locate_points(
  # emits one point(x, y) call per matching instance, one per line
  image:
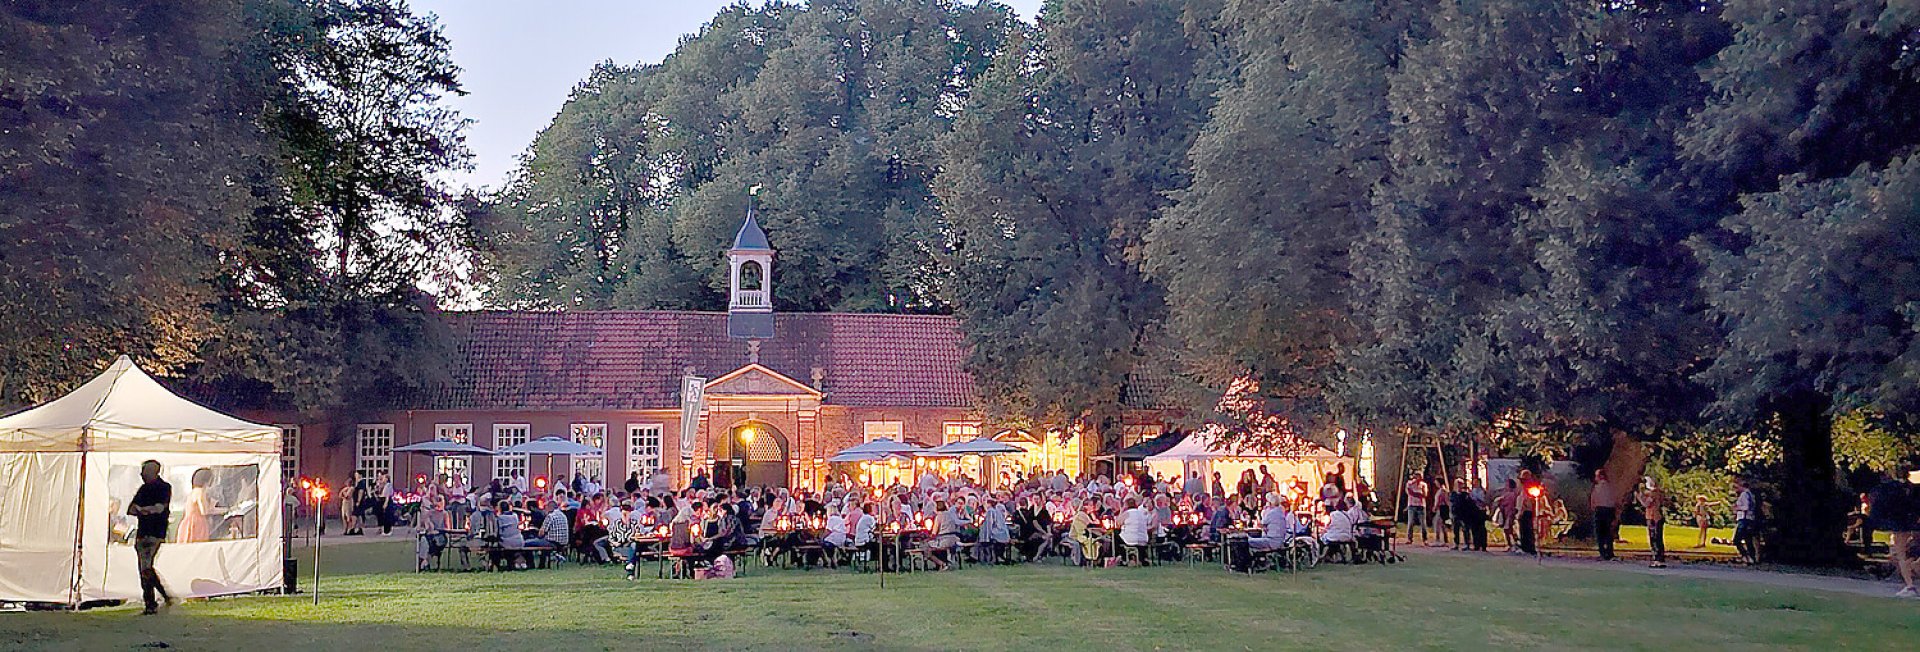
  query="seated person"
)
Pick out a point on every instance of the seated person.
point(946, 535)
point(1223, 517)
point(1136, 527)
point(1277, 525)
point(1343, 528)
point(554, 530)
point(837, 532)
point(431, 525)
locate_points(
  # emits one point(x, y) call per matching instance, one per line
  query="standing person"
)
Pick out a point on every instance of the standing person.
point(1653, 504)
point(1217, 489)
point(1417, 507)
point(1506, 510)
point(1702, 517)
point(152, 507)
point(1194, 486)
point(1529, 506)
point(1460, 506)
point(1267, 482)
point(1606, 512)
point(384, 502)
point(1894, 508)
point(1746, 517)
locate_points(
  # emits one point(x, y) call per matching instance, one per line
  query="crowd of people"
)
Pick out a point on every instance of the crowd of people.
point(941, 520)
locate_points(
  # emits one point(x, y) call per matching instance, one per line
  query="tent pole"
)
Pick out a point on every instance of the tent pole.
point(80, 524)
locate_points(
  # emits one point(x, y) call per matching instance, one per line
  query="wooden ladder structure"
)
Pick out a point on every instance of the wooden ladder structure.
point(1408, 447)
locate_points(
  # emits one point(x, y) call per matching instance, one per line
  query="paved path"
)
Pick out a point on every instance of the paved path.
point(1693, 571)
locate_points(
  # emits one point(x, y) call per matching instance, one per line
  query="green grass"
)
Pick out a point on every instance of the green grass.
point(1433, 602)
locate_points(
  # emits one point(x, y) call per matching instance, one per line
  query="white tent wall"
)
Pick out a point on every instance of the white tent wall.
point(72, 464)
point(39, 515)
point(188, 569)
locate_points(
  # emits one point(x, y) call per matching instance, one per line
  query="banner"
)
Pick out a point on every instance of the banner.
point(693, 393)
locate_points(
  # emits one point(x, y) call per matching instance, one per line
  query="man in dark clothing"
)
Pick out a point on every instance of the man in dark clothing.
point(1606, 507)
point(151, 506)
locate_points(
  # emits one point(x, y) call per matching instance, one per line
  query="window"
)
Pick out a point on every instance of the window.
point(958, 431)
point(375, 449)
point(504, 435)
point(1130, 435)
point(453, 470)
point(592, 467)
point(750, 275)
point(893, 430)
point(210, 503)
point(643, 448)
point(289, 455)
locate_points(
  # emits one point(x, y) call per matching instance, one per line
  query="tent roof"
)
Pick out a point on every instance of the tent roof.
point(124, 409)
point(1202, 446)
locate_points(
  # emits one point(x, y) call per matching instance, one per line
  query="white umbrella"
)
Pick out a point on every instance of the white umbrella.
point(877, 449)
point(982, 446)
point(440, 447)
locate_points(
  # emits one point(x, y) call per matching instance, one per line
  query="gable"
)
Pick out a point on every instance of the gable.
point(756, 380)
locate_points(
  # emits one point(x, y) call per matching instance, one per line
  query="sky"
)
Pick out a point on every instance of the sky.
point(520, 59)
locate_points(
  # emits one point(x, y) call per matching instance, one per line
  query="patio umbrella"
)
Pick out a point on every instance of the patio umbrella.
point(876, 450)
point(439, 447)
point(982, 446)
point(550, 446)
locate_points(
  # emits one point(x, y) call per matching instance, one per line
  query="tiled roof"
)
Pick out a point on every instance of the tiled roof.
point(634, 359)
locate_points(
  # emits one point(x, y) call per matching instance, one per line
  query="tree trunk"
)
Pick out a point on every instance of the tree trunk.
point(1807, 519)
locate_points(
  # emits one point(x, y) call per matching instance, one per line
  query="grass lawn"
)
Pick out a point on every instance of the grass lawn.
point(1434, 602)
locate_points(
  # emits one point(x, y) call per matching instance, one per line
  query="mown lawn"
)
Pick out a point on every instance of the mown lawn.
point(1433, 602)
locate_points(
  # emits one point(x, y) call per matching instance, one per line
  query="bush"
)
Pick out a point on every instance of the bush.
point(1683, 486)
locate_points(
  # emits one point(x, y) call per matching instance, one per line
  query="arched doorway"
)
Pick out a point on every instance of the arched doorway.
point(756, 454)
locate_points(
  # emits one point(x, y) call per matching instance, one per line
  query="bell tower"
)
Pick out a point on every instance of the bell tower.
point(750, 285)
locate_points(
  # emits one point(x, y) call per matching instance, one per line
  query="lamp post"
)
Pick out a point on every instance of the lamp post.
point(320, 500)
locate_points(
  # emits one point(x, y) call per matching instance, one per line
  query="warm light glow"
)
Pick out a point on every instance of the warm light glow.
point(746, 436)
point(540, 482)
point(1534, 491)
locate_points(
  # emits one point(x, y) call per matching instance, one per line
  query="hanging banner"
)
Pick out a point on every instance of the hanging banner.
point(693, 394)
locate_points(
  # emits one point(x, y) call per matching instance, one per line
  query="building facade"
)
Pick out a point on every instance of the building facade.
point(746, 396)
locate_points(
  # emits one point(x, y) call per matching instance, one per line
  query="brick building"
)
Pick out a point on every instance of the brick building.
point(768, 397)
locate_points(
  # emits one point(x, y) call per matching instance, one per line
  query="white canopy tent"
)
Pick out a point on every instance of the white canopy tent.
point(69, 467)
point(1203, 452)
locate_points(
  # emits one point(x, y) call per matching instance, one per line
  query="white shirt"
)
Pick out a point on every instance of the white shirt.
point(1339, 527)
point(1134, 525)
point(1743, 506)
point(836, 530)
point(863, 530)
point(1277, 523)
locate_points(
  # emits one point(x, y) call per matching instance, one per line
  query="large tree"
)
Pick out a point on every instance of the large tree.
point(1255, 255)
point(1051, 179)
point(123, 129)
point(326, 293)
point(1815, 118)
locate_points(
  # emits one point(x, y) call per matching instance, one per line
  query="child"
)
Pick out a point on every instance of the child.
point(1701, 517)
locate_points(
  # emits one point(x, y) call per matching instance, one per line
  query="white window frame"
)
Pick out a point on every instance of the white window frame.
point(510, 434)
point(582, 433)
point(449, 465)
point(895, 430)
point(959, 431)
point(644, 448)
point(289, 454)
point(373, 454)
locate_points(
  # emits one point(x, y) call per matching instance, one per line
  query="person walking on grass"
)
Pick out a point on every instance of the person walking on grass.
point(152, 508)
point(1894, 508)
point(1606, 511)
point(1653, 503)
point(1417, 507)
point(1746, 518)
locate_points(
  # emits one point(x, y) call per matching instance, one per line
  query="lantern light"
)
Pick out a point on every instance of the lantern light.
point(540, 482)
point(1533, 490)
point(746, 436)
